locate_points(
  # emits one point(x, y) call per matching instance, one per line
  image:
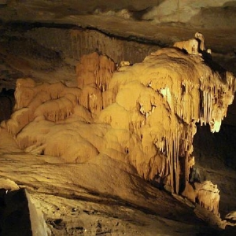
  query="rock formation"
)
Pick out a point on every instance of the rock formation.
point(192, 46)
point(19, 215)
point(206, 194)
point(144, 115)
point(94, 75)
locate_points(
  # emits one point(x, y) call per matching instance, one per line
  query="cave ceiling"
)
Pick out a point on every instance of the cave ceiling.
point(35, 43)
point(154, 21)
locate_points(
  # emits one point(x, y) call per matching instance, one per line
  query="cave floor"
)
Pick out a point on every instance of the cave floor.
point(99, 197)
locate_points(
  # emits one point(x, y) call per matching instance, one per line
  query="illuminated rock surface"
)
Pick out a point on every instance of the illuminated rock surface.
point(97, 187)
point(141, 118)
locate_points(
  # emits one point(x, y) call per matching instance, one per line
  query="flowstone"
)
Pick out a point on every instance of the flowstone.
point(144, 114)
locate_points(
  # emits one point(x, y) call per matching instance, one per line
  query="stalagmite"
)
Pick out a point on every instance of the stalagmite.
point(94, 73)
point(192, 46)
point(144, 114)
point(205, 194)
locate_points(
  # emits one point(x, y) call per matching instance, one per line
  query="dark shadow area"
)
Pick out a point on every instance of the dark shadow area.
point(7, 102)
point(14, 213)
point(214, 66)
point(216, 160)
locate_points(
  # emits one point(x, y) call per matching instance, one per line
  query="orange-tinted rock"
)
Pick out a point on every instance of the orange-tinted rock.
point(144, 114)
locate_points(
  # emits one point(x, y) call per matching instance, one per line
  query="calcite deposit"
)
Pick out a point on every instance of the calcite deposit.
point(144, 115)
point(192, 46)
point(206, 194)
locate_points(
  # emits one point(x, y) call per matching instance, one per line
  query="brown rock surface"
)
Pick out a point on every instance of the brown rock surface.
point(150, 124)
point(44, 40)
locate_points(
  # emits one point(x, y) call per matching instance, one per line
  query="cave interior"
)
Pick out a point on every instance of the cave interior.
point(110, 127)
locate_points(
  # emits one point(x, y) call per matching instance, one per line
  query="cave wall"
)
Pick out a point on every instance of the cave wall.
point(41, 52)
point(47, 35)
point(74, 43)
point(45, 40)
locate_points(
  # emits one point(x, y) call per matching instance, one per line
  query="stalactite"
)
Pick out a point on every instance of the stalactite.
point(156, 102)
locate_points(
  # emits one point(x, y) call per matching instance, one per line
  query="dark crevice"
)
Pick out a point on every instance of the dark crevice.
point(7, 102)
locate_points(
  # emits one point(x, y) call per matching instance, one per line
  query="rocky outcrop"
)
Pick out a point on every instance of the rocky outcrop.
point(19, 215)
point(206, 194)
point(144, 115)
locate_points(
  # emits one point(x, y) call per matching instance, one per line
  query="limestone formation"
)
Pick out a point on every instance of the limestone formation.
point(206, 194)
point(94, 74)
point(231, 216)
point(144, 115)
point(201, 40)
point(192, 46)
